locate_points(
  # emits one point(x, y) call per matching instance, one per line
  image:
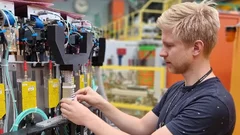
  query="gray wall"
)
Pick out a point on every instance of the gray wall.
point(100, 7)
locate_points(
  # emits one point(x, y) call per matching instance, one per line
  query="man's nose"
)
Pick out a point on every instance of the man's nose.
point(163, 53)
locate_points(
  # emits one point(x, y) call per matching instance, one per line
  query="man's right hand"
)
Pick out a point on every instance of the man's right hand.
point(90, 96)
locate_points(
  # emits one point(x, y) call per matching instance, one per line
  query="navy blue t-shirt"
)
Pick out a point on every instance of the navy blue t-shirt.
point(208, 109)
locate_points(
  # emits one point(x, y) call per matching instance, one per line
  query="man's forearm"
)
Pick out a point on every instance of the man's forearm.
point(99, 127)
point(123, 121)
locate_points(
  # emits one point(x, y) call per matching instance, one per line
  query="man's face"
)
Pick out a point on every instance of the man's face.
point(176, 54)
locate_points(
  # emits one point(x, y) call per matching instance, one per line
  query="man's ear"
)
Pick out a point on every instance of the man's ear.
point(198, 47)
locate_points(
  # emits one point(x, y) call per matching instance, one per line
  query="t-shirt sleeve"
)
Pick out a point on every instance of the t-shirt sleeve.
point(201, 117)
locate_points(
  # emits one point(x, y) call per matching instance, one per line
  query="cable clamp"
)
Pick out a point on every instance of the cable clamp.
point(36, 110)
point(15, 101)
point(7, 90)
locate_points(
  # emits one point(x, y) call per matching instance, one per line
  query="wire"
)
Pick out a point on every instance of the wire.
point(66, 24)
point(7, 71)
point(23, 114)
point(7, 81)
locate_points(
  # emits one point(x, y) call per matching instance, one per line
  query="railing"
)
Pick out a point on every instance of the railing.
point(139, 24)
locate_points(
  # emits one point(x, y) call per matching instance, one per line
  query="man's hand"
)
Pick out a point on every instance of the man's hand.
point(75, 111)
point(90, 96)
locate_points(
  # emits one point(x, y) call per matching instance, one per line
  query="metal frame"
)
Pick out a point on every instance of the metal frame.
point(123, 29)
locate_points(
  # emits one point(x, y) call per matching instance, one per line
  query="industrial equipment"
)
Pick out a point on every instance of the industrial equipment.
point(44, 57)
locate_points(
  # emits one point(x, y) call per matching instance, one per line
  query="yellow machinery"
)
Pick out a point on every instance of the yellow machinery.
point(233, 34)
point(2, 101)
point(134, 27)
point(29, 95)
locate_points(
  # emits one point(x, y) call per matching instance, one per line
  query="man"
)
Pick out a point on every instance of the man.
point(198, 105)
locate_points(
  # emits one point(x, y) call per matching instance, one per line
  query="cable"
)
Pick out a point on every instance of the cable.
point(46, 12)
point(23, 114)
point(100, 84)
point(7, 71)
point(6, 78)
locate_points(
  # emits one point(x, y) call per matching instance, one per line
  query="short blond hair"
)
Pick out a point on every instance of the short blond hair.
point(191, 21)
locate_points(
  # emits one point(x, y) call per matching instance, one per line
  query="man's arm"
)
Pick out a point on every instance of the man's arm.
point(130, 124)
point(125, 122)
point(99, 127)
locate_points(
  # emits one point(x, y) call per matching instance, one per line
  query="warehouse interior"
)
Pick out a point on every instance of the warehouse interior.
point(52, 48)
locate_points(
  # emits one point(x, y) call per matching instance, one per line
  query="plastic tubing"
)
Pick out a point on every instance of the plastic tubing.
point(23, 114)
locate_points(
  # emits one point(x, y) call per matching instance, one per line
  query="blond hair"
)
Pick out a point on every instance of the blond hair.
point(191, 21)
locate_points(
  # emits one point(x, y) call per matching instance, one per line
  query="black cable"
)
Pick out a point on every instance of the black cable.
point(4, 42)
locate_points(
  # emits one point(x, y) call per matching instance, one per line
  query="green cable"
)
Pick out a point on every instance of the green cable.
point(23, 114)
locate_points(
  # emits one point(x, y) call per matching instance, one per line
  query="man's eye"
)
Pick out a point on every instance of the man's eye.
point(168, 45)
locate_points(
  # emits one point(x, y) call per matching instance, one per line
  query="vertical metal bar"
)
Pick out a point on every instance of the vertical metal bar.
point(33, 75)
point(41, 77)
point(140, 29)
point(126, 23)
point(14, 79)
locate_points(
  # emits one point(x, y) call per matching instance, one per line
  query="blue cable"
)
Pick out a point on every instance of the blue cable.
point(34, 35)
point(3, 31)
point(38, 22)
point(60, 23)
point(10, 17)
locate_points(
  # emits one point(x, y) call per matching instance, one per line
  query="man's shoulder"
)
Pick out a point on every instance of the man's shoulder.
point(216, 99)
point(214, 88)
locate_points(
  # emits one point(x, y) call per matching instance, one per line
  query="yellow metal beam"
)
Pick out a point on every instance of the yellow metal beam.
point(160, 69)
point(152, 11)
point(234, 90)
point(132, 106)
